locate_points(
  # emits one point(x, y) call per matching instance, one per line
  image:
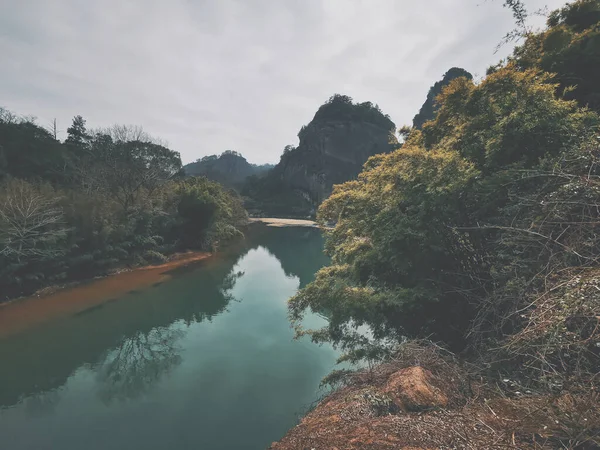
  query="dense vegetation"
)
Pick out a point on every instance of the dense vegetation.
point(270, 196)
point(481, 231)
point(342, 108)
point(98, 200)
point(570, 49)
point(229, 168)
point(430, 107)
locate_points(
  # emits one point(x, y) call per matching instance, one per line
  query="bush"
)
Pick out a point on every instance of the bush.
point(82, 231)
point(154, 257)
point(472, 234)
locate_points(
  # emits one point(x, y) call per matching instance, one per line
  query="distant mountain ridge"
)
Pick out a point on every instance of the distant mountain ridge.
point(229, 168)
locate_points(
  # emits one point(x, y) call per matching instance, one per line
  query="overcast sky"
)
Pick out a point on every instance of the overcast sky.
point(212, 75)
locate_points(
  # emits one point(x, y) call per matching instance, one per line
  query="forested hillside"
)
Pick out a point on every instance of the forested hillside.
point(98, 200)
point(229, 168)
point(481, 233)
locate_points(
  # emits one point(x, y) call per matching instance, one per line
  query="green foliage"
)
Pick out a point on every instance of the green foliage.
point(459, 234)
point(430, 107)
point(569, 48)
point(393, 249)
point(341, 108)
point(77, 134)
point(269, 196)
point(78, 209)
point(29, 151)
point(511, 119)
point(209, 213)
point(130, 171)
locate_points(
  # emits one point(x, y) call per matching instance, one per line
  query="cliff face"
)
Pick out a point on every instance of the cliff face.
point(334, 146)
point(230, 168)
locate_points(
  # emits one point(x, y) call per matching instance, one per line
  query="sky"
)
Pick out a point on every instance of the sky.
point(211, 75)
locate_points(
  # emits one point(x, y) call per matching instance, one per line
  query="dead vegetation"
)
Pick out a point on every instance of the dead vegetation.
point(423, 398)
point(559, 344)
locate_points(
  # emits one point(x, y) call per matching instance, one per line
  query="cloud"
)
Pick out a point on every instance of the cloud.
point(210, 75)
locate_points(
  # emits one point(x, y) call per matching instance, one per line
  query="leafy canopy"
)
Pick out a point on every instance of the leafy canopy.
point(429, 233)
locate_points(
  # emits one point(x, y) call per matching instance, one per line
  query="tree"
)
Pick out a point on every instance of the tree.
point(512, 117)
point(77, 134)
point(29, 151)
point(209, 213)
point(129, 170)
point(31, 221)
point(569, 49)
point(76, 209)
point(433, 233)
point(128, 133)
point(7, 116)
point(288, 149)
point(393, 252)
point(520, 15)
point(53, 129)
point(430, 107)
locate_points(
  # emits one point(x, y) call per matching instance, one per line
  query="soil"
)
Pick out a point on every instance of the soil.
point(60, 301)
point(410, 408)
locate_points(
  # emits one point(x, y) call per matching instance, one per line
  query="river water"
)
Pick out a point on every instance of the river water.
point(205, 360)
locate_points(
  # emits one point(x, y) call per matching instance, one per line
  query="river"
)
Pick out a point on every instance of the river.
point(203, 360)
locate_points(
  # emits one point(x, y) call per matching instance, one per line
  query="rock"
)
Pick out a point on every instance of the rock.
point(346, 420)
point(334, 147)
point(412, 389)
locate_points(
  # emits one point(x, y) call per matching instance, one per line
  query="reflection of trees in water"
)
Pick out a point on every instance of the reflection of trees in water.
point(127, 367)
point(141, 360)
point(299, 250)
point(227, 288)
point(229, 283)
point(215, 299)
point(138, 363)
point(42, 403)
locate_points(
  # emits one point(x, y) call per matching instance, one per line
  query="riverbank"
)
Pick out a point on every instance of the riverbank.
point(278, 222)
point(74, 297)
point(424, 400)
point(59, 301)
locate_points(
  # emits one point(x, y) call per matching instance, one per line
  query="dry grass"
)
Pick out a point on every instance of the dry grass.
point(361, 415)
point(559, 345)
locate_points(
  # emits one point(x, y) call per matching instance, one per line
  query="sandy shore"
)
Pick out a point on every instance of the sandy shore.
point(275, 222)
point(53, 303)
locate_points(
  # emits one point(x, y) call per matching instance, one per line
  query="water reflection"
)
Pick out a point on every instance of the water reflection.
point(131, 343)
point(137, 363)
point(293, 258)
point(42, 403)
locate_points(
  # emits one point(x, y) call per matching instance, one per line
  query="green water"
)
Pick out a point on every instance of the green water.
point(205, 360)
